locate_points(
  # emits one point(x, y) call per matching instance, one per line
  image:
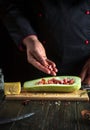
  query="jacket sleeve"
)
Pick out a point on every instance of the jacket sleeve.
point(16, 24)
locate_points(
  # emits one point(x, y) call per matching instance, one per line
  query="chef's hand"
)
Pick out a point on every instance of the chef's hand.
point(36, 55)
point(85, 73)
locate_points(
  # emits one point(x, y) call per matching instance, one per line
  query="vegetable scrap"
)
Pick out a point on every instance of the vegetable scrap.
point(85, 114)
point(26, 102)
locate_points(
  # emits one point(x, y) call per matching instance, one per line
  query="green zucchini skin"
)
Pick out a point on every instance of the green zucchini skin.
point(33, 87)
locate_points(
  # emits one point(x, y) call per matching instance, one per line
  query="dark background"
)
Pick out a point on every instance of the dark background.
point(13, 61)
point(15, 66)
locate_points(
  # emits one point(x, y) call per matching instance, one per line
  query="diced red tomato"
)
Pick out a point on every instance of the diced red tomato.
point(56, 81)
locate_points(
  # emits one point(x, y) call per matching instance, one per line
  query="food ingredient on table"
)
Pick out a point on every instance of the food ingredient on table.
point(12, 88)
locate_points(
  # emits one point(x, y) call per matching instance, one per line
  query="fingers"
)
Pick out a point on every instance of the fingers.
point(44, 65)
point(38, 65)
point(87, 80)
point(51, 63)
point(83, 73)
point(36, 56)
point(52, 67)
point(40, 58)
point(43, 61)
point(85, 76)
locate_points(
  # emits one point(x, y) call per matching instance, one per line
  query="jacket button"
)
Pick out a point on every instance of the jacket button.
point(40, 14)
point(44, 42)
point(87, 12)
point(86, 42)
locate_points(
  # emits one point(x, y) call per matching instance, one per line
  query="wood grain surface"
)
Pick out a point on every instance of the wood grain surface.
point(80, 95)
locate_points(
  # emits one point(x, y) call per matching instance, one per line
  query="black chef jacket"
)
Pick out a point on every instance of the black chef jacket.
point(63, 27)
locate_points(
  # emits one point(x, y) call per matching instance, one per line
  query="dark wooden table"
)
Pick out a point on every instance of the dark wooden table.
point(49, 115)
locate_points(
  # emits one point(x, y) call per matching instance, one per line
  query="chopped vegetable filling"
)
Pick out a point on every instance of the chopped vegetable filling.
point(67, 81)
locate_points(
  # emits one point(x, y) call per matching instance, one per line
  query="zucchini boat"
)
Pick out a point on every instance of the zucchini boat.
point(53, 84)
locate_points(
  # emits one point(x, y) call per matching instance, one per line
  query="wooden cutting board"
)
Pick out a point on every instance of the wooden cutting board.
point(80, 95)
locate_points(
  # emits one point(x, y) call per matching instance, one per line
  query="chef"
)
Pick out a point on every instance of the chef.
point(55, 34)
